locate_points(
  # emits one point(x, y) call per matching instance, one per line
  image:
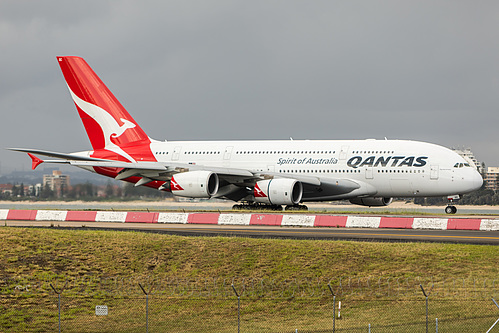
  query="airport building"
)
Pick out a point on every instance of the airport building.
point(57, 182)
point(491, 179)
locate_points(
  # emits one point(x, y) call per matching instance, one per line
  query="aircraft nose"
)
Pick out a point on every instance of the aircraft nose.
point(477, 180)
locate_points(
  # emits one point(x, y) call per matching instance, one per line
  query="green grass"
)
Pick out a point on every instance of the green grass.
point(29, 252)
point(100, 257)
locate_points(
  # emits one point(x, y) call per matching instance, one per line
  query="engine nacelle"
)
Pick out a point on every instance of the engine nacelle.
point(371, 201)
point(195, 184)
point(278, 191)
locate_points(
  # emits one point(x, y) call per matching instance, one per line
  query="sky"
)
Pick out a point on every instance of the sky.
point(260, 69)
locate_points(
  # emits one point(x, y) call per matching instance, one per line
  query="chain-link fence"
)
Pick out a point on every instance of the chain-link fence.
point(211, 305)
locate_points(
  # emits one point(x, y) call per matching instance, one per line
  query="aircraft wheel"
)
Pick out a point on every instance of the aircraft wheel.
point(296, 207)
point(303, 207)
point(450, 210)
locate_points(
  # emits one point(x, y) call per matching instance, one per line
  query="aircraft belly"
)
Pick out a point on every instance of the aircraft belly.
point(336, 190)
point(401, 187)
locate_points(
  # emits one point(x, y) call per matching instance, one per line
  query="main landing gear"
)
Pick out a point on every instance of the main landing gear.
point(256, 206)
point(450, 209)
point(296, 207)
point(260, 206)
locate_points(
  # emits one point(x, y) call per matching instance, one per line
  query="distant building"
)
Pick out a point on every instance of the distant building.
point(6, 189)
point(467, 154)
point(491, 179)
point(15, 190)
point(57, 182)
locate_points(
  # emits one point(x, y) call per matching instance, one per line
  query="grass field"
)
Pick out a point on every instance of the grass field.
point(65, 255)
point(51, 252)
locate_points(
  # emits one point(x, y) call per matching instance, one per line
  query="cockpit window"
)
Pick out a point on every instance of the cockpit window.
point(461, 165)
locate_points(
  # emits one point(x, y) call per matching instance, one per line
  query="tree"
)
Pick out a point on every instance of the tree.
point(46, 192)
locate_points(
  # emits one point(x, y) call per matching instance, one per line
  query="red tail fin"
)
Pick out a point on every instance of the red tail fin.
point(105, 119)
point(109, 126)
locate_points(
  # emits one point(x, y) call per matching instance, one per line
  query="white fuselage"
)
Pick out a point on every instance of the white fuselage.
point(389, 168)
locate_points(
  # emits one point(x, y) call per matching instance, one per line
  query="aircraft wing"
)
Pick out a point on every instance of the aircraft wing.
point(311, 180)
point(141, 169)
point(163, 171)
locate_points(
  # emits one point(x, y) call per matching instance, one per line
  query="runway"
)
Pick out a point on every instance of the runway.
point(317, 233)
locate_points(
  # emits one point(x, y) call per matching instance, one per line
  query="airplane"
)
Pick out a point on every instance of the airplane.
point(260, 174)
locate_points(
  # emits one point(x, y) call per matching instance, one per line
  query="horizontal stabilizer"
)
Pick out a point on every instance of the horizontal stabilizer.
point(35, 161)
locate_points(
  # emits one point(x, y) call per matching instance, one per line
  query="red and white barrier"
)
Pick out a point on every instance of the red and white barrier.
point(51, 215)
point(179, 218)
point(294, 220)
point(357, 221)
point(3, 214)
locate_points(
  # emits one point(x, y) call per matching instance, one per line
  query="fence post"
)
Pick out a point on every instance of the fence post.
point(334, 307)
point(424, 293)
point(491, 327)
point(147, 305)
point(59, 296)
point(238, 309)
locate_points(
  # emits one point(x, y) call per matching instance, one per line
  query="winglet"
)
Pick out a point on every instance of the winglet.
point(35, 161)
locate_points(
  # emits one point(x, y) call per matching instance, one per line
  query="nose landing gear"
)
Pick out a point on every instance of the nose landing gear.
point(450, 209)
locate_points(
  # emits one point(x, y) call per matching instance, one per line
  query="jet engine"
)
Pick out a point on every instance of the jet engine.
point(195, 184)
point(371, 201)
point(278, 191)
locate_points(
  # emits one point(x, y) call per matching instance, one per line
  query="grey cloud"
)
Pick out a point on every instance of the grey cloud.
point(421, 70)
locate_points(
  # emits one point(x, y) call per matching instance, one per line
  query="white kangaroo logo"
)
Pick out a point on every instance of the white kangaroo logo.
point(126, 125)
point(107, 123)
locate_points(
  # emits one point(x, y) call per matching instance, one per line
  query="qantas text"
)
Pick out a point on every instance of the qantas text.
point(391, 161)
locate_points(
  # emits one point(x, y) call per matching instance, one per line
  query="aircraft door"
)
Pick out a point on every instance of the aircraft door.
point(176, 153)
point(228, 152)
point(369, 173)
point(343, 152)
point(434, 172)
